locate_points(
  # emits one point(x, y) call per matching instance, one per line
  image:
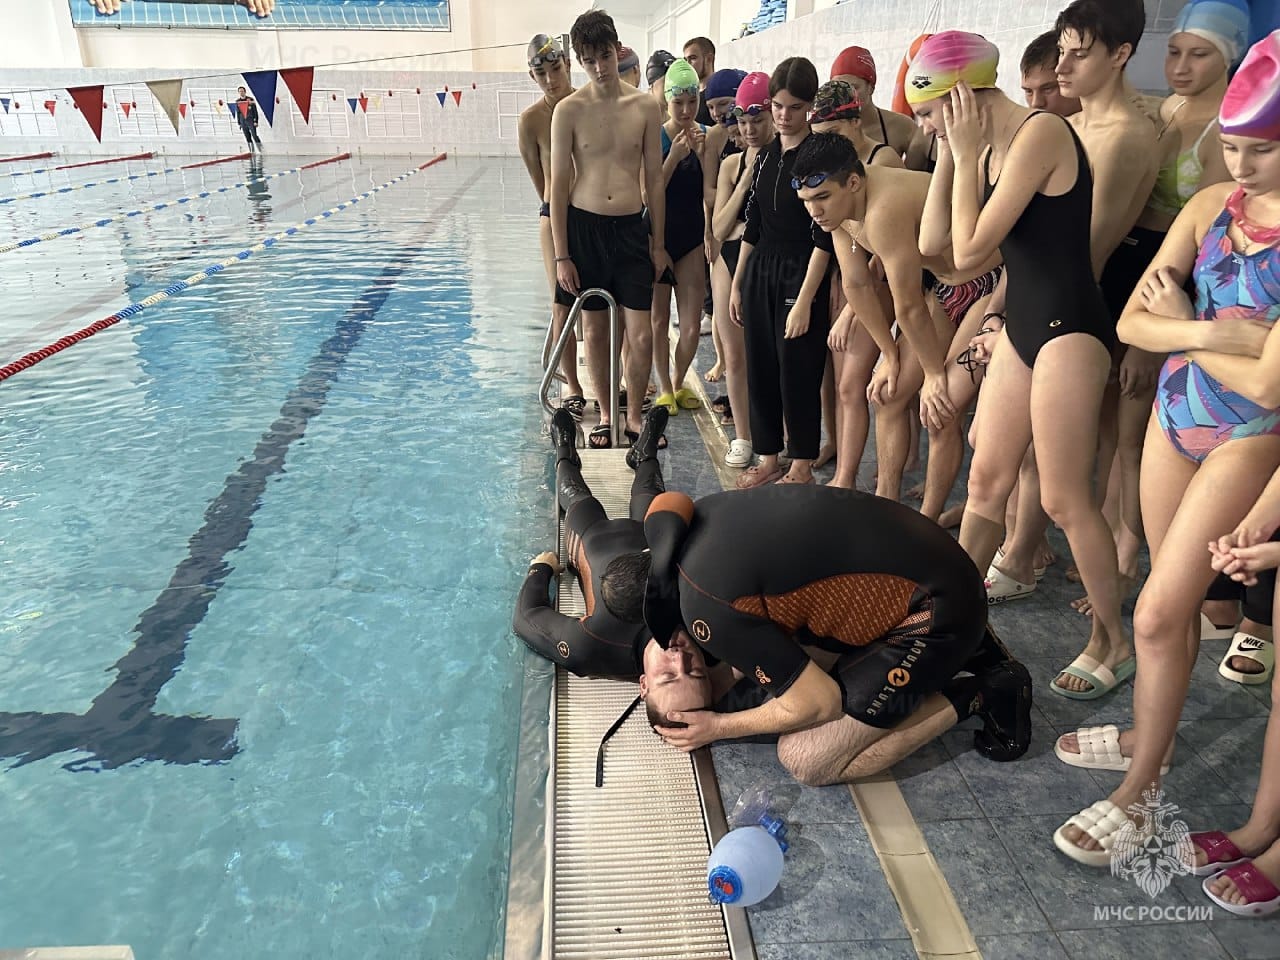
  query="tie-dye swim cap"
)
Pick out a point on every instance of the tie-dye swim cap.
point(1251, 107)
point(948, 58)
point(1224, 23)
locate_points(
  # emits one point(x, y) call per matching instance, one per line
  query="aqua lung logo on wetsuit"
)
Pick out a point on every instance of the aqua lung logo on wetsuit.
point(562, 648)
point(701, 631)
point(897, 678)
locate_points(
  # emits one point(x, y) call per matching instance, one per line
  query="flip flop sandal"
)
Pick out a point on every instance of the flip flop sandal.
point(1262, 898)
point(786, 479)
point(1211, 631)
point(1099, 749)
point(1102, 679)
point(1249, 647)
point(575, 405)
point(1102, 822)
point(601, 437)
point(1001, 587)
point(753, 477)
point(1220, 853)
point(720, 404)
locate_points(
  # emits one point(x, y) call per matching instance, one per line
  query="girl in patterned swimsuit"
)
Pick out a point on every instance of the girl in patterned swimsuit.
point(1213, 440)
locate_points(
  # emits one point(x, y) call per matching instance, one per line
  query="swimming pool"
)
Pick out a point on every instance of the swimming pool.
point(258, 547)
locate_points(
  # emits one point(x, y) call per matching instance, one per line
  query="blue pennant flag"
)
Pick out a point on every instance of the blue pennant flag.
point(5, 101)
point(351, 102)
point(440, 97)
point(262, 84)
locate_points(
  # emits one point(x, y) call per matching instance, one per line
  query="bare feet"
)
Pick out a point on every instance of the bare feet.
point(915, 493)
point(1128, 584)
point(951, 517)
point(825, 456)
point(715, 373)
point(1045, 557)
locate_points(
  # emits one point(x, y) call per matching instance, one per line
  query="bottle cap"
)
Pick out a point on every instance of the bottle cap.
point(724, 885)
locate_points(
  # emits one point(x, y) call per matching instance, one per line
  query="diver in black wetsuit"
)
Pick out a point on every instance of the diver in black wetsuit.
point(600, 644)
point(886, 600)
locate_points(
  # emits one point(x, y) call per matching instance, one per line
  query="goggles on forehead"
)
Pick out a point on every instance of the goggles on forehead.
point(811, 181)
point(548, 54)
point(752, 111)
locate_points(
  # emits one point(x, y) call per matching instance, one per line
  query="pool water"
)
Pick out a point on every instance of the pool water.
point(258, 548)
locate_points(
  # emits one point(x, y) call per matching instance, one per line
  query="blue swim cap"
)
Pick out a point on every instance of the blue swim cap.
point(724, 83)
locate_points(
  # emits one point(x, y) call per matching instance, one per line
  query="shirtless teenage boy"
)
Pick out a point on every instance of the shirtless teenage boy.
point(877, 211)
point(604, 136)
point(549, 68)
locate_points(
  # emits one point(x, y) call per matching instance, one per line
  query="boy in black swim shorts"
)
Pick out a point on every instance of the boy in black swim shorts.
point(772, 581)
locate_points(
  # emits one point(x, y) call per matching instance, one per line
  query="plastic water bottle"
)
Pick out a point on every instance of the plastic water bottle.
point(746, 864)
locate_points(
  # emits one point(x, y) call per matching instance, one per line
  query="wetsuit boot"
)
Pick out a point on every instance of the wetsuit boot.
point(646, 445)
point(990, 653)
point(564, 437)
point(1005, 712)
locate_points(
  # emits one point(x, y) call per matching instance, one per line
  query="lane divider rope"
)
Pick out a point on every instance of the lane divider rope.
point(31, 359)
point(102, 183)
point(87, 163)
point(29, 156)
point(125, 215)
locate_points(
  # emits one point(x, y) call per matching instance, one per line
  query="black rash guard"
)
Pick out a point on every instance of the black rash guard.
point(776, 217)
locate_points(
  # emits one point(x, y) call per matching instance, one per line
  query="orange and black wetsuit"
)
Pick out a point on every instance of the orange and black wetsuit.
point(598, 644)
point(754, 574)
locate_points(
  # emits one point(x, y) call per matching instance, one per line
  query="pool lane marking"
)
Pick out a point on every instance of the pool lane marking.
point(146, 176)
point(121, 727)
point(31, 359)
point(321, 163)
point(932, 917)
point(127, 214)
point(87, 163)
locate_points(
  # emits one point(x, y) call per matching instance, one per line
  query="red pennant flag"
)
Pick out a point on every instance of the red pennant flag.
point(299, 81)
point(182, 109)
point(364, 103)
point(86, 100)
point(50, 104)
point(457, 97)
point(126, 107)
point(243, 106)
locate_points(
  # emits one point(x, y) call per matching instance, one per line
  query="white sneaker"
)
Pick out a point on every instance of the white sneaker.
point(740, 453)
point(706, 326)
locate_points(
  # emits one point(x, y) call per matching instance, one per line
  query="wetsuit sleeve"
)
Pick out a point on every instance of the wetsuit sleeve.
point(546, 632)
point(755, 645)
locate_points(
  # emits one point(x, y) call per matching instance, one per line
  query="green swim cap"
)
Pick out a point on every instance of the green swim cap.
point(681, 79)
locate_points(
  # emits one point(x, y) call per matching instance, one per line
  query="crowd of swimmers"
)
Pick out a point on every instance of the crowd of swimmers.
point(1097, 270)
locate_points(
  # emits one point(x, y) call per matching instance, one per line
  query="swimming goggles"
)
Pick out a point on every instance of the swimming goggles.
point(827, 113)
point(811, 181)
point(617, 724)
point(548, 54)
point(670, 92)
point(752, 111)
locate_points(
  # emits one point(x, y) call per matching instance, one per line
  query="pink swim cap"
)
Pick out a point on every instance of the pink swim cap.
point(948, 58)
point(753, 91)
point(1251, 107)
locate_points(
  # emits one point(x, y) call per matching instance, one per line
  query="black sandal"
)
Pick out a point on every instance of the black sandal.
point(575, 405)
point(601, 437)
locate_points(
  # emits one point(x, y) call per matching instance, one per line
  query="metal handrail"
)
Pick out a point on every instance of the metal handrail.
point(546, 350)
point(552, 362)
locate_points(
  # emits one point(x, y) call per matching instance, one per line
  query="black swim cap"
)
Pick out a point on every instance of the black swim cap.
point(658, 64)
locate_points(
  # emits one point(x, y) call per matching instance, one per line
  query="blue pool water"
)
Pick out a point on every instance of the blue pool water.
point(258, 547)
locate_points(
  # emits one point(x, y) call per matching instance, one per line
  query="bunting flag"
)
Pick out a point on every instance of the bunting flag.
point(88, 100)
point(4, 102)
point(364, 103)
point(457, 97)
point(377, 101)
point(168, 94)
point(182, 109)
point(50, 104)
point(126, 107)
point(351, 102)
point(231, 107)
point(243, 107)
point(441, 97)
point(300, 81)
point(262, 83)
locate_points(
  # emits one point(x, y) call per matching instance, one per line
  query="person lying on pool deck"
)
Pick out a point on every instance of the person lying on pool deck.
point(885, 598)
point(600, 644)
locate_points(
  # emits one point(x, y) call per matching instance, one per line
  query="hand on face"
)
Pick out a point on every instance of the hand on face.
point(962, 120)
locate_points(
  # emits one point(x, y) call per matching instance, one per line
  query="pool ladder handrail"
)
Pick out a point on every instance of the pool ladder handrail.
point(551, 361)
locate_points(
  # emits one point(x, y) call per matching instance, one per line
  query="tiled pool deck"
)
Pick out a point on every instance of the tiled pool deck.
point(990, 826)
